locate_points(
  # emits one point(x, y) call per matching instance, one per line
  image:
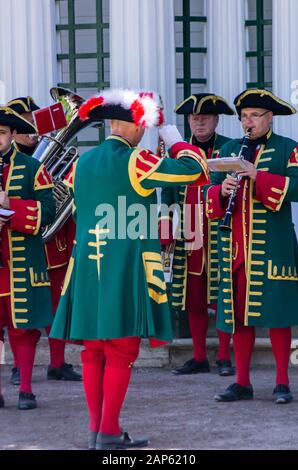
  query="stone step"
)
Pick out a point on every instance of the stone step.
point(172, 355)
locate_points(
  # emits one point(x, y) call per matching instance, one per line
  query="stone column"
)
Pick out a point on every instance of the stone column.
point(285, 69)
point(284, 62)
point(142, 51)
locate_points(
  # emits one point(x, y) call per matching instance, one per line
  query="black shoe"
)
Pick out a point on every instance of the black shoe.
point(123, 441)
point(192, 367)
point(225, 368)
point(64, 372)
point(27, 401)
point(282, 394)
point(92, 440)
point(2, 402)
point(15, 378)
point(235, 392)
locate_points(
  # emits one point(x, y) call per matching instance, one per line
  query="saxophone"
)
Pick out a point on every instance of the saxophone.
point(58, 156)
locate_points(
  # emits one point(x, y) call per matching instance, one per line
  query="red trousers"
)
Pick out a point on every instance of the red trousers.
point(57, 346)
point(244, 337)
point(106, 375)
point(197, 309)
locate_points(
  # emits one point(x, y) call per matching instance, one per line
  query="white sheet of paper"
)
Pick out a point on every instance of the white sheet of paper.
point(6, 213)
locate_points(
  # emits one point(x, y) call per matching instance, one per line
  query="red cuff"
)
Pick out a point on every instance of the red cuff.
point(214, 208)
point(27, 217)
point(271, 189)
point(180, 146)
point(201, 181)
point(185, 150)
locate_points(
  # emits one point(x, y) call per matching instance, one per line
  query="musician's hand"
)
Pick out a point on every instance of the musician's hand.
point(170, 135)
point(251, 171)
point(228, 185)
point(4, 200)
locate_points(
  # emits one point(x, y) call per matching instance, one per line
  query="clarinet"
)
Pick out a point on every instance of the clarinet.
point(1, 189)
point(225, 226)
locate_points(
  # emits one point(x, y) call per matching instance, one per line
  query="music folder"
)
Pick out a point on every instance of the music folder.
point(5, 214)
point(50, 119)
point(226, 164)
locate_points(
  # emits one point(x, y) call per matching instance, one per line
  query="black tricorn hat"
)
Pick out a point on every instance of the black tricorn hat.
point(140, 108)
point(261, 98)
point(204, 103)
point(23, 105)
point(9, 118)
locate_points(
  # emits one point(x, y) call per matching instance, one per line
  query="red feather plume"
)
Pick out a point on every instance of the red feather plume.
point(88, 106)
point(137, 111)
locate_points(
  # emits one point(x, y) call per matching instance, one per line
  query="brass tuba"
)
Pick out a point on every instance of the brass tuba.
point(58, 155)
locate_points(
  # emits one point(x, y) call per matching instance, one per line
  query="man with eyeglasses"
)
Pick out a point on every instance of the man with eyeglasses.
point(258, 270)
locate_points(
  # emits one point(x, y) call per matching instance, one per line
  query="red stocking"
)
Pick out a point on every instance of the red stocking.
point(281, 346)
point(224, 345)
point(120, 355)
point(198, 323)
point(244, 340)
point(93, 369)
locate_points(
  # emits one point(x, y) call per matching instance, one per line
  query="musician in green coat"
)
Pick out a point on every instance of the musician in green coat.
point(258, 259)
point(195, 273)
point(114, 292)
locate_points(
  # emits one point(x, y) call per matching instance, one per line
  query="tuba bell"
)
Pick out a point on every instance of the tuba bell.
point(58, 156)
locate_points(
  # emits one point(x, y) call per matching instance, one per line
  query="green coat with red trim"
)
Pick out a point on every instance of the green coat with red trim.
point(115, 286)
point(271, 251)
point(29, 188)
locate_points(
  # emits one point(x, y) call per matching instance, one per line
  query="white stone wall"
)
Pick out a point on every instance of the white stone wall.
point(28, 64)
point(142, 51)
point(198, 38)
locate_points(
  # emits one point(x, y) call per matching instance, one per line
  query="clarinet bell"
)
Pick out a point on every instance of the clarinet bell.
point(224, 228)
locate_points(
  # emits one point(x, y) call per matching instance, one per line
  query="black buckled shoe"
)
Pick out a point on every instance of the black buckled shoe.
point(225, 368)
point(27, 401)
point(282, 394)
point(64, 372)
point(92, 440)
point(15, 378)
point(123, 441)
point(2, 402)
point(235, 392)
point(192, 367)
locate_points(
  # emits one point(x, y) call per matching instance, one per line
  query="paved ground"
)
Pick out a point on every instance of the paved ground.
point(175, 412)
